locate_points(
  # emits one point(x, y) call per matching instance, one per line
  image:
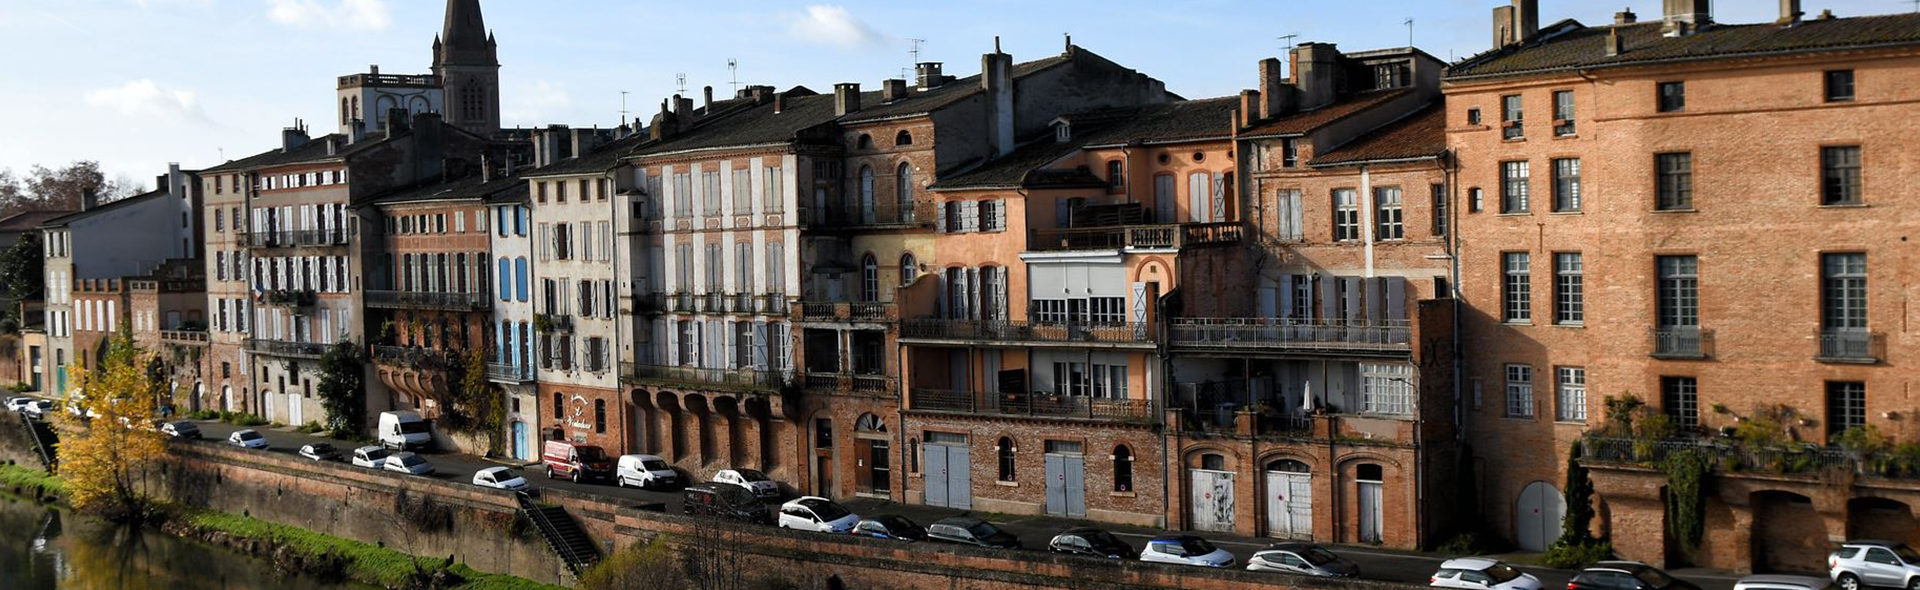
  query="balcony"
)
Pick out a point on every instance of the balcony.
point(1231, 421)
point(1393, 337)
point(420, 300)
point(305, 238)
point(1035, 405)
point(736, 378)
point(1729, 455)
point(1851, 346)
point(509, 374)
point(288, 298)
point(842, 311)
point(1682, 342)
point(411, 357)
point(184, 337)
point(1119, 334)
point(310, 350)
point(848, 383)
point(1125, 237)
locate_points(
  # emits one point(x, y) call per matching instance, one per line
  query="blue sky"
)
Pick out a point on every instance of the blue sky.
point(139, 83)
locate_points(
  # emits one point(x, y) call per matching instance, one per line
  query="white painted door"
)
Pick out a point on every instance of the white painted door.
point(293, 410)
point(1211, 500)
point(1537, 516)
point(1370, 511)
point(1290, 505)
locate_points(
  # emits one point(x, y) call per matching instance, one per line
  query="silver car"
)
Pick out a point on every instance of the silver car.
point(1885, 564)
point(1302, 558)
point(405, 462)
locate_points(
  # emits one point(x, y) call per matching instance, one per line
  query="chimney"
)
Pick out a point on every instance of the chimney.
point(996, 80)
point(1825, 14)
point(1615, 46)
point(1276, 96)
point(584, 140)
point(1789, 13)
point(760, 93)
point(709, 94)
point(1686, 17)
point(928, 74)
point(396, 122)
point(846, 98)
point(486, 169)
point(1316, 73)
point(333, 145)
point(1503, 33)
point(89, 198)
point(374, 69)
point(1625, 17)
point(429, 147)
point(1250, 107)
point(293, 137)
point(892, 90)
point(1526, 19)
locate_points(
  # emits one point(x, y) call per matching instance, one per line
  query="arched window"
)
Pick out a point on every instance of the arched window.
point(913, 455)
point(1213, 462)
point(356, 107)
point(903, 138)
point(346, 114)
point(1288, 466)
point(1368, 472)
point(600, 416)
point(866, 194)
point(903, 190)
point(865, 142)
point(869, 279)
point(1006, 459)
point(869, 423)
point(1122, 469)
point(909, 268)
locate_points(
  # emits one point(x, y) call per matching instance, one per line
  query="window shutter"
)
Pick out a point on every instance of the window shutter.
point(1267, 302)
point(727, 343)
point(1396, 298)
point(969, 216)
point(1376, 293)
point(1140, 308)
point(1219, 212)
point(1296, 216)
point(1000, 215)
point(760, 343)
point(941, 227)
point(1000, 303)
point(1353, 287)
point(1328, 297)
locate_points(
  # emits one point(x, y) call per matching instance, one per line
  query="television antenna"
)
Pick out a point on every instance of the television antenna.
point(681, 79)
point(915, 51)
point(623, 107)
point(1286, 45)
point(1409, 24)
point(733, 71)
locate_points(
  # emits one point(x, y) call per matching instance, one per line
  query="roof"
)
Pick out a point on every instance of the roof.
point(1190, 120)
point(1420, 135)
point(931, 99)
point(469, 187)
point(1187, 120)
point(71, 217)
point(313, 150)
point(1475, 563)
point(599, 160)
point(1569, 45)
point(1305, 121)
point(755, 125)
point(26, 220)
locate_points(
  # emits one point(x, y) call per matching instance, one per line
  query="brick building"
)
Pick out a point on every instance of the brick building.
point(167, 313)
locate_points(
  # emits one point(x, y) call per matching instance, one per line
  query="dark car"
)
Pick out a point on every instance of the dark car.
point(725, 501)
point(971, 531)
point(1626, 575)
point(1091, 542)
point(890, 526)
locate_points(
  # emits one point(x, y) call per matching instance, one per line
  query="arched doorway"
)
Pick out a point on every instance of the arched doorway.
point(1881, 518)
point(1788, 534)
point(874, 474)
point(1537, 515)
point(1289, 500)
point(1210, 494)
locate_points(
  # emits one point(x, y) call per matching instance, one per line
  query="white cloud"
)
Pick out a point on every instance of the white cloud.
point(834, 26)
point(188, 3)
point(362, 15)
point(535, 103)
point(145, 99)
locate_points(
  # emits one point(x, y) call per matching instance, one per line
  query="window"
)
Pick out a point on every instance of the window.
point(1289, 152)
point(903, 191)
point(1387, 214)
point(1680, 398)
point(1513, 187)
point(902, 138)
point(1563, 113)
point(1678, 291)
point(1213, 462)
point(1846, 406)
point(1517, 289)
point(683, 194)
point(558, 410)
point(1386, 389)
point(1672, 97)
point(1346, 214)
point(600, 416)
point(1840, 175)
point(1843, 292)
point(1122, 469)
point(990, 217)
point(1673, 174)
point(1839, 85)
point(1473, 116)
point(742, 191)
point(909, 269)
point(1512, 118)
point(1566, 185)
point(560, 191)
point(1473, 200)
point(771, 198)
point(709, 192)
point(1519, 391)
point(866, 193)
point(1116, 176)
point(1439, 210)
point(1569, 289)
point(1570, 384)
point(1005, 449)
point(1392, 75)
point(1107, 311)
point(869, 279)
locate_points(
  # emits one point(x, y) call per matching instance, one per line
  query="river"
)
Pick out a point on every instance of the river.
point(43, 548)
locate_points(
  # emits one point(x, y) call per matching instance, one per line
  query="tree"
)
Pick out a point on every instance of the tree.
point(1577, 526)
point(343, 391)
point(478, 406)
point(23, 276)
point(104, 457)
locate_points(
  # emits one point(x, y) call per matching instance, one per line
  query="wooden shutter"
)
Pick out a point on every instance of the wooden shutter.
point(1353, 288)
point(941, 226)
point(1268, 301)
point(1219, 211)
point(1329, 295)
point(1396, 298)
point(1376, 306)
point(760, 342)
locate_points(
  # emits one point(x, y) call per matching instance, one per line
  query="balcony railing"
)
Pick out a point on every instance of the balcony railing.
point(411, 357)
point(285, 348)
point(548, 322)
point(184, 337)
point(295, 238)
point(1732, 455)
point(1851, 346)
point(1290, 334)
point(1226, 421)
point(841, 311)
point(1032, 404)
point(1025, 331)
point(1164, 236)
point(749, 378)
point(1682, 342)
point(509, 373)
point(848, 383)
point(288, 298)
point(422, 300)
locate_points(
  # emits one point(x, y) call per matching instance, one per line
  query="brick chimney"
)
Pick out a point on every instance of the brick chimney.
point(1789, 13)
point(846, 98)
point(927, 74)
point(1686, 17)
point(1316, 72)
point(1526, 18)
point(1277, 97)
point(892, 90)
point(1625, 17)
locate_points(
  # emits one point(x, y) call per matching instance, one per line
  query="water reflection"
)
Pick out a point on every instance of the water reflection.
point(44, 548)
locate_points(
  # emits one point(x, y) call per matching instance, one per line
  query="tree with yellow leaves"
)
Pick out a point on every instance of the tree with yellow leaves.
point(111, 441)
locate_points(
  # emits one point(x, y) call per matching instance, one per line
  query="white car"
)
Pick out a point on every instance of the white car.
point(319, 451)
point(754, 481)
point(1185, 550)
point(817, 514)
point(1480, 573)
point(370, 456)
point(19, 403)
point(644, 471)
point(38, 409)
point(500, 478)
point(249, 439)
point(407, 462)
point(1886, 564)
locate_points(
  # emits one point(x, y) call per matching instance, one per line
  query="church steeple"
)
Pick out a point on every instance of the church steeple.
point(465, 58)
point(464, 39)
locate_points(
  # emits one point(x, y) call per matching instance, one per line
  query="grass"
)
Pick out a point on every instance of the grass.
point(31, 481)
point(365, 563)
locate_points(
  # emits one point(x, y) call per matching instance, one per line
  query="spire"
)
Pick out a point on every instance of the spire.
point(464, 40)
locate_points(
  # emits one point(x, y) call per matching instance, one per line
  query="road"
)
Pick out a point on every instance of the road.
point(1033, 531)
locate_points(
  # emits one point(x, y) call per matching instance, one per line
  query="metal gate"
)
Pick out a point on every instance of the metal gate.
point(1211, 499)
point(1289, 505)
point(949, 476)
point(1066, 485)
point(1370, 511)
point(1537, 516)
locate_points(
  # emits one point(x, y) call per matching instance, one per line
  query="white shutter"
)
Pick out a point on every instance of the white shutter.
point(969, 216)
point(1219, 212)
point(1140, 309)
point(941, 226)
point(760, 344)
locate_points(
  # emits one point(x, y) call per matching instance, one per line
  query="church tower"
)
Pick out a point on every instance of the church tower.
point(464, 58)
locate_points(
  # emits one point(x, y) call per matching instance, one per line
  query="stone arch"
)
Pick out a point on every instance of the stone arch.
point(1537, 513)
point(1191, 458)
point(1155, 261)
point(1788, 534)
point(673, 417)
point(1348, 461)
point(701, 411)
point(1873, 517)
point(1268, 459)
point(733, 433)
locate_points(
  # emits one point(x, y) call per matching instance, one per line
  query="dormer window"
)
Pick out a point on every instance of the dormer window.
point(1062, 132)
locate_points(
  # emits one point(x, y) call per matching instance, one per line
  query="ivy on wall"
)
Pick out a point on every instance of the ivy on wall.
point(1686, 496)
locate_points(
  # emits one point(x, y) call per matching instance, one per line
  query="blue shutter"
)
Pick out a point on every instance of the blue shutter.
point(506, 279)
point(520, 278)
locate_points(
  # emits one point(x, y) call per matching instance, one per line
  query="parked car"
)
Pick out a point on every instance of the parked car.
point(1306, 559)
point(500, 478)
point(575, 462)
point(249, 438)
point(753, 480)
point(1091, 542)
point(1782, 582)
point(19, 403)
point(320, 451)
point(1626, 575)
point(724, 501)
point(644, 471)
point(370, 456)
point(1480, 573)
point(1886, 564)
point(404, 431)
point(408, 462)
point(38, 409)
point(965, 530)
point(1185, 550)
point(180, 429)
point(891, 526)
point(817, 514)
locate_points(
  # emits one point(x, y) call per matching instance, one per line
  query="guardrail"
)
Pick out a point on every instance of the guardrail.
point(294, 238)
point(1730, 455)
point(509, 373)
point(1236, 333)
point(286, 348)
point(844, 311)
point(1026, 331)
point(1682, 342)
point(1031, 404)
point(752, 378)
point(425, 300)
point(1158, 237)
point(1851, 346)
point(186, 337)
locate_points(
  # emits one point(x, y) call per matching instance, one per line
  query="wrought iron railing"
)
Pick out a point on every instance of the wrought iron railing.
point(187, 337)
point(1682, 342)
point(847, 382)
point(548, 322)
point(286, 348)
point(1163, 236)
point(425, 300)
point(509, 372)
point(1736, 456)
point(411, 357)
point(1031, 404)
point(842, 311)
point(1284, 333)
point(751, 378)
point(1851, 346)
point(294, 238)
point(1025, 331)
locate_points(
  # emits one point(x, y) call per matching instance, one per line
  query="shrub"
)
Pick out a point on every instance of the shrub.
point(1577, 555)
point(310, 427)
point(641, 565)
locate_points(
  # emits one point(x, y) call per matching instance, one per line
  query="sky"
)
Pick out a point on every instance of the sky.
point(137, 84)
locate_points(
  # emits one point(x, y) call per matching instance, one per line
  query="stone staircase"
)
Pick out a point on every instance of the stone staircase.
point(562, 533)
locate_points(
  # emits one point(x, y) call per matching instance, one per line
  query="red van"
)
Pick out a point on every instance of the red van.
point(576, 462)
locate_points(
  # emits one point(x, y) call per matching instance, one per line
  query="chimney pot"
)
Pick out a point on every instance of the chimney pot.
point(1790, 12)
point(846, 98)
point(1625, 17)
point(892, 90)
point(927, 74)
point(1503, 31)
point(292, 137)
point(1685, 17)
point(779, 102)
point(709, 92)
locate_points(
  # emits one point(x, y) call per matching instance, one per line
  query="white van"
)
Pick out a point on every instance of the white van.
point(645, 471)
point(404, 431)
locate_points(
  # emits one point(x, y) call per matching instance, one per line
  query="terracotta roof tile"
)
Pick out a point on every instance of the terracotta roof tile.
point(1419, 135)
point(1305, 121)
point(1571, 45)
